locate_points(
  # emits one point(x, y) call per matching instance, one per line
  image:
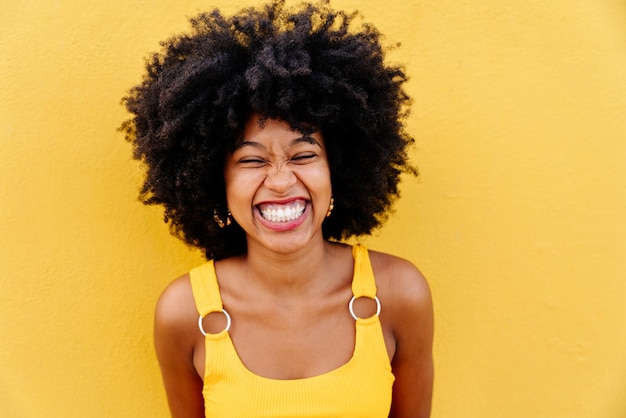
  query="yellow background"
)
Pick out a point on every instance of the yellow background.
point(518, 219)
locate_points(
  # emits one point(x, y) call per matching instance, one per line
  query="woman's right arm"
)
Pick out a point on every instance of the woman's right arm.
point(175, 337)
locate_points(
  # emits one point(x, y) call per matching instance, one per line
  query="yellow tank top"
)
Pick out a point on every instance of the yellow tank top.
point(360, 388)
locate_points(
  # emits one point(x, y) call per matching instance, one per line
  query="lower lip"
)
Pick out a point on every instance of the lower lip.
point(283, 226)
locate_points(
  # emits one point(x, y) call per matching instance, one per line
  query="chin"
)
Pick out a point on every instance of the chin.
point(289, 243)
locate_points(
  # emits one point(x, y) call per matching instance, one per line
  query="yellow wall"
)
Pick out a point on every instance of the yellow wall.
point(518, 219)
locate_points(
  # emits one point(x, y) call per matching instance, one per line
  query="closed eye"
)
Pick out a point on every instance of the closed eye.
point(303, 157)
point(252, 161)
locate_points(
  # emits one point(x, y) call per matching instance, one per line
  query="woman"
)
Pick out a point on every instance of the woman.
point(268, 137)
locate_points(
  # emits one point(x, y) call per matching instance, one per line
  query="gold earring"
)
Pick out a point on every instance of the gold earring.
point(331, 206)
point(219, 221)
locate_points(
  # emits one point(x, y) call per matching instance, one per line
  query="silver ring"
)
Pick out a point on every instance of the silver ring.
point(351, 306)
point(228, 322)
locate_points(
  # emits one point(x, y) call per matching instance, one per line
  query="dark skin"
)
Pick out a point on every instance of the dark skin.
point(288, 294)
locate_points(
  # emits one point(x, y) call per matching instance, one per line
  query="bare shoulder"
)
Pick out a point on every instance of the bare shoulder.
point(175, 313)
point(399, 281)
point(405, 297)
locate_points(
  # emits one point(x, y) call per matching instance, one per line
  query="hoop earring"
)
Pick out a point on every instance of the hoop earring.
point(331, 206)
point(221, 223)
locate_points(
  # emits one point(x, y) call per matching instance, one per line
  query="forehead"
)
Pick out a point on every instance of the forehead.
point(266, 132)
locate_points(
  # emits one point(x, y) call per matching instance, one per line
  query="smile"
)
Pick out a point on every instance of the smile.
point(282, 213)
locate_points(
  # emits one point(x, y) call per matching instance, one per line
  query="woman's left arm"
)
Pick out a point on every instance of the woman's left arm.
point(412, 325)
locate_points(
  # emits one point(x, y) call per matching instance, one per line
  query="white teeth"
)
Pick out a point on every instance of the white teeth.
point(282, 213)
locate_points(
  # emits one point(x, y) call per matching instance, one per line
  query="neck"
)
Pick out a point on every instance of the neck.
point(302, 273)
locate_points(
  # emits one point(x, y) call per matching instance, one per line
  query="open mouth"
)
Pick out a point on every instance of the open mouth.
point(282, 212)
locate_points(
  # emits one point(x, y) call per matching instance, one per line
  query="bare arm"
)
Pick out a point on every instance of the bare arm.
point(175, 336)
point(410, 316)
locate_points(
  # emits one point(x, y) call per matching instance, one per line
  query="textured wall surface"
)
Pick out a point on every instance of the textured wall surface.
point(518, 218)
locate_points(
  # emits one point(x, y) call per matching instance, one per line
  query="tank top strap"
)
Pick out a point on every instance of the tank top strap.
point(205, 288)
point(363, 282)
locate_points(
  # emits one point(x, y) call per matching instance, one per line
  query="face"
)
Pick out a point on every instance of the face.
point(278, 186)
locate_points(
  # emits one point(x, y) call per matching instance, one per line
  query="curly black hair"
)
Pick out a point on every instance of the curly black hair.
point(305, 66)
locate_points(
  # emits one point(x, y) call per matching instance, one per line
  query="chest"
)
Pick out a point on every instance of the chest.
point(289, 342)
point(360, 387)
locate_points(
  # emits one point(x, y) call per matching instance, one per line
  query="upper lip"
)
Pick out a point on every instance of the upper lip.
point(281, 201)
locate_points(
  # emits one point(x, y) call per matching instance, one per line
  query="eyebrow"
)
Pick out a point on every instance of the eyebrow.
point(305, 138)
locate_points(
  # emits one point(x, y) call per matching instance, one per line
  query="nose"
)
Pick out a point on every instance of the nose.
point(280, 178)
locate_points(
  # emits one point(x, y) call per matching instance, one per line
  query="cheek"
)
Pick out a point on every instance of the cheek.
point(321, 175)
point(317, 180)
point(240, 185)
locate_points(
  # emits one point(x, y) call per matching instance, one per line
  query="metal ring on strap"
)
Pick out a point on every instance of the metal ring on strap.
point(228, 322)
point(351, 306)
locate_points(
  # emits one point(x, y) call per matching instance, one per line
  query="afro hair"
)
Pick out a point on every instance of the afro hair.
point(306, 66)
